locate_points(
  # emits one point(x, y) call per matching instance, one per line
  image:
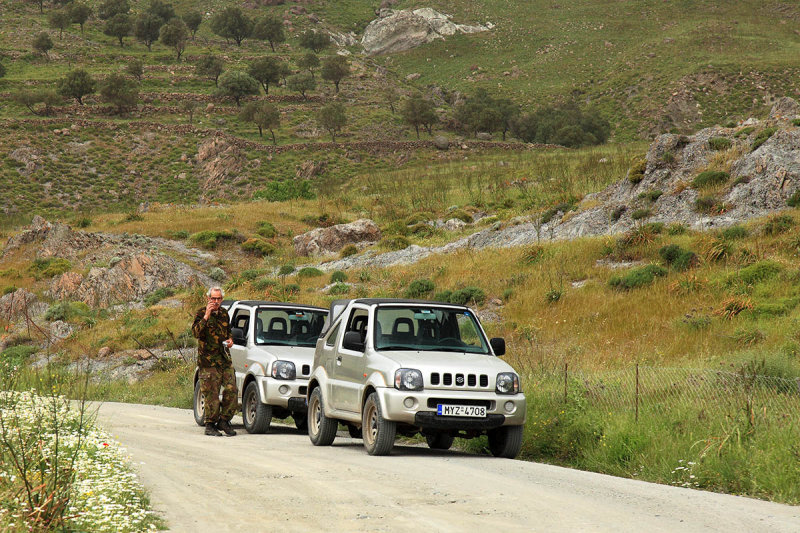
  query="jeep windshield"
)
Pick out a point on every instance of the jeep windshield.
point(425, 328)
point(288, 327)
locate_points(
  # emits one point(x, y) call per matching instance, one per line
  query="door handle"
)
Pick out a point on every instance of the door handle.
point(338, 359)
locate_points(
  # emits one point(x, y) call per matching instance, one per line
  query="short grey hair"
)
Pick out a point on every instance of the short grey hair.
point(212, 289)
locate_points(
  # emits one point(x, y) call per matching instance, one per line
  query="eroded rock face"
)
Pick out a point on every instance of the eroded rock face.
point(219, 161)
point(20, 304)
point(785, 109)
point(395, 31)
point(133, 278)
point(333, 239)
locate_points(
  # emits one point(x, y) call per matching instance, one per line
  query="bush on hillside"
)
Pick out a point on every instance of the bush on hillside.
point(266, 229)
point(309, 272)
point(763, 136)
point(257, 246)
point(677, 257)
point(566, 125)
point(48, 268)
point(158, 295)
point(348, 250)
point(419, 288)
point(636, 170)
point(778, 224)
point(794, 200)
point(709, 178)
point(735, 232)
point(638, 277)
point(337, 276)
point(210, 238)
point(720, 143)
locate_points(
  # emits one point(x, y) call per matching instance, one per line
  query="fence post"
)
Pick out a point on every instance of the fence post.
point(636, 415)
point(566, 366)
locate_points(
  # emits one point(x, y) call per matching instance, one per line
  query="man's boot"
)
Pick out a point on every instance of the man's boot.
point(225, 426)
point(212, 430)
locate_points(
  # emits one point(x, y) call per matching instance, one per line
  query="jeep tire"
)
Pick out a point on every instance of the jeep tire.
point(378, 433)
point(439, 441)
point(321, 429)
point(505, 441)
point(256, 415)
point(199, 405)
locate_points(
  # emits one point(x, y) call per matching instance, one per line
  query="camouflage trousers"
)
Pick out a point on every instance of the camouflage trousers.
point(211, 380)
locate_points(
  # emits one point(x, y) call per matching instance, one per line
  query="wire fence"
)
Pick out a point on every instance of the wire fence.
point(647, 391)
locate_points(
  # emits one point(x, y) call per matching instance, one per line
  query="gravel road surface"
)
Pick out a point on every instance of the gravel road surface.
point(280, 482)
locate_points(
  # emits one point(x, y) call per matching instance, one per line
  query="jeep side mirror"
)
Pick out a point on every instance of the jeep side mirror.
point(498, 346)
point(238, 336)
point(352, 341)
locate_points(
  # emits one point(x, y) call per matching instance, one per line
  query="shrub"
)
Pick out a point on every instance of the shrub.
point(796, 122)
point(420, 216)
point(258, 247)
point(292, 288)
point(210, 238)
point(715, 249)
point(48, 268)
point(720, 143)
point(567, 125)
point(395, 242)
point(158, 295)
point(740, 180)
point(651, 196)
point(337, 276)
point(348, 250)
point(339, 288)
point(734, 232)
point(744, 132)
point(709, 178)
point(553, 295)
point(266, 229)
point(178, 234)
point(468, 295)
point(309, 272)
point(67, 311)
point(443, 296)
point(217, 274)
point(640, 214)
point(263, 283)
point(755, 273)
point(656, 228)
point(286, 269)
point(762, 137)
point(461, 215)
point(617, 212)
point(251, 274)
point(677, 257)
point(676, 228)
point(83, 222)
point(532, 254)
point(706, 204)
point(419, 288)
point(794, 199)
point(16, 356)
point(636, 170)
point(564, 207)
point(282, 191)
point(778, 224)
point(638, 277)
point(9, 289)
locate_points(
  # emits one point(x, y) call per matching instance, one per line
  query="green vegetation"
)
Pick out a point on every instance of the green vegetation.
point(719, 143)
point(638, 277)
point(762, 137)
point(48, 268)
point(710, 178)
point(419, 288)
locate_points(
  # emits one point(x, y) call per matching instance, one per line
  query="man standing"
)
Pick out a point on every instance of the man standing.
point(213, 331)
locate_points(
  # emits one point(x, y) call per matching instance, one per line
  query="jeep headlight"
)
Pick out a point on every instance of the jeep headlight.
point(408, 379)
point(283, 370)
point(507, 383)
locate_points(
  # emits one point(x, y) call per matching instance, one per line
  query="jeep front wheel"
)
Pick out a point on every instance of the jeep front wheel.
point(378, 433)
point(439, 441)
point(505, 441)
point(321, 429)
point(199, 405)
point(257, 416)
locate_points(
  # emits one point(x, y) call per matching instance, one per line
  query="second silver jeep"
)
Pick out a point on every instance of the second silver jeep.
point(388, 366)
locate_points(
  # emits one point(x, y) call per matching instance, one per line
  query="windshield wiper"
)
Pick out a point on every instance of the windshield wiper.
point(397, 347)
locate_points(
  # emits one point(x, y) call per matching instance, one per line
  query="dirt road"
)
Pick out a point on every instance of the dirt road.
point(280, 482)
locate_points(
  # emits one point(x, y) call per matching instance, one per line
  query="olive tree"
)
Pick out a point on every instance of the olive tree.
point(42, 43)
point(314, 41)
point(309, 62)
point(211, 67)
point(332, 117)
point(193, 19)
point(302, 83)
point(58, 20)
point(135, 69)
point(175, 34)
point(417, 111)
point(76, 84)
point(232, 23)
point(147, 28)
point(188, 107)
point(269, 28)
point(266, 71)
point(237, 84)
point(264, 115)
point(162, 10)
point(109, 8)
point(334, 69)
point(119, 92)
point(79, 13)
point(119, 26)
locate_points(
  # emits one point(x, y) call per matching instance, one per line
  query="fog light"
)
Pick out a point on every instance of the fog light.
point(409, 402)
point(283, 389)
point(509, 406)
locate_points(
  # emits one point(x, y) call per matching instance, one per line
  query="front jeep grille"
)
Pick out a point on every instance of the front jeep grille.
point(470, 380)
point(306, 370)
point(433, 402)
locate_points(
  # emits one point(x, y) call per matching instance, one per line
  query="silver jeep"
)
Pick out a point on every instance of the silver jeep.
point(272, 353)
point(388, 366)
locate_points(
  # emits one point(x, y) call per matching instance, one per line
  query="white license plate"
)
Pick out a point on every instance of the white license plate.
point(477, 411)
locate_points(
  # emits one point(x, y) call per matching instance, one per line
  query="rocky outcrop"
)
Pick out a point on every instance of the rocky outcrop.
point(130, 279)
point(395, 31)
point(20, 304)
point(219, 162)
point(334, 238)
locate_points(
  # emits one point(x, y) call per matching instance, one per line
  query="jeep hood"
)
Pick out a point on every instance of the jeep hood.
point(299, 355)
point(454, 362)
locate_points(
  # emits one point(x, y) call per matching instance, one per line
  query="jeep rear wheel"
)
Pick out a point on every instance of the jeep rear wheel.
point(378, 433)
point(439, 441)
point(505, 441)
point(256, 415)
point(321, 429)
point(199, 405)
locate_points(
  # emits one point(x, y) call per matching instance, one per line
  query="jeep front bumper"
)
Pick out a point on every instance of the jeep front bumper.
point(418, 408)
point(283, 393)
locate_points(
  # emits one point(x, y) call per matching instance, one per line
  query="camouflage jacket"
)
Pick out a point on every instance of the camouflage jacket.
point(210, 334)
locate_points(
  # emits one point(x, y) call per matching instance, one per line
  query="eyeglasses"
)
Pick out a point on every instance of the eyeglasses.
point(212, 298)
